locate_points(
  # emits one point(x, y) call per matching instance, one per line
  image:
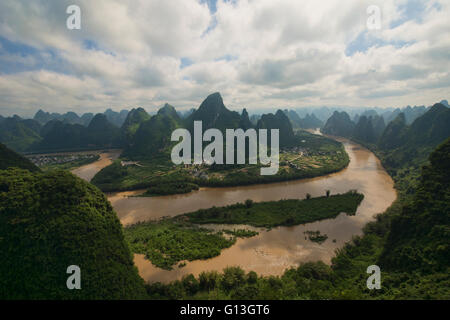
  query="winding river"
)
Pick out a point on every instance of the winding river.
point(271, 252)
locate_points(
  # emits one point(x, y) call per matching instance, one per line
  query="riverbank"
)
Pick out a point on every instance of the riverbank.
point(314, 156)
point(168, 241)
point(269, 252)
point(87, 172)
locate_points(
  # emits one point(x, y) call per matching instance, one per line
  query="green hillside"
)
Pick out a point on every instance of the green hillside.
point(49, 221)
point(280, 121)
point(19, 134)
point(409, 242)
point(134, 119)
point(152, 138)
point(213, 114)
point(58, 135)
point(9, 159)
point(339, 124)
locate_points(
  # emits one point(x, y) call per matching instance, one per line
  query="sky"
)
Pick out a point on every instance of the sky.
point(256, 53)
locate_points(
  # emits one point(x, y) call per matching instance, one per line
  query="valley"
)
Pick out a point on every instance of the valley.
point(186, 225)
point(271, 251)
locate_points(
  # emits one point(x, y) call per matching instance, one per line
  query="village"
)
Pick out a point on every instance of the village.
point(43, 160)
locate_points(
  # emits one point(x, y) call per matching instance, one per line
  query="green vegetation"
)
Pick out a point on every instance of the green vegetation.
point(339, 124)
point(169, 241)
point(49, 221)
point(152, 138)
point(280, 121)
point(241, 233)
point(19, 134)
point(134, 119)
point(368, 129)
point(280, 213)
point(61, 136)
point(312, 156)
point(213, 114)
point(303, 155)
point(409, 242)
point(62, 132)
point(162, 189)
point(315, 236)
point(9, 158)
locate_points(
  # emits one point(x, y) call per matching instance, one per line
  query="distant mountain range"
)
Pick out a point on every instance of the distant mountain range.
point(68, 131)
point(116, 118)
point(429, 128)
point(54, 131)
point(152, 136)
point(310, 121)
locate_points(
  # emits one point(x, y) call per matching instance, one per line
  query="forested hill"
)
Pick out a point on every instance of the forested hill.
point(50, 221)
point(397, 142)
point(9, 158)
point(213, 114)
point(409, 242)
point(152, 135)
point(60, 136)
point(19, 134)
point(131, 125)
point(419, 236)
point(403, 147)
point(339, 124)
point(310, 121)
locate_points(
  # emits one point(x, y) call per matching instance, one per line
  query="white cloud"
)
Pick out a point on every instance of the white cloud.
point(260, 53)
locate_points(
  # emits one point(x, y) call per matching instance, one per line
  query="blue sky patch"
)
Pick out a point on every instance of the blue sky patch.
point(412, 10)
point(365, 40)
point(185, 62)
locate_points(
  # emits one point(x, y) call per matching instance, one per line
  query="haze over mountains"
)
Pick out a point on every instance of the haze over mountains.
point(429, 128)
point(128, 129)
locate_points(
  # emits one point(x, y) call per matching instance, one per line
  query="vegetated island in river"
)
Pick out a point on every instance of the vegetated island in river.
point(171, 240)
point(309, 156)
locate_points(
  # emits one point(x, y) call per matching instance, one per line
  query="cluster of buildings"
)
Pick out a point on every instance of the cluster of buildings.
point(43, 160)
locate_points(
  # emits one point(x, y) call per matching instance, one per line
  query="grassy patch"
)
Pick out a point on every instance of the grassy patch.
point(241, 233)
point(312, 156)
point(279, 213)
point(169, 241)
point(315, 236)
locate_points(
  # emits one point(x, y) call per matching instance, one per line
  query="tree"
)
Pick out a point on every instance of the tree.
point(252, 277)
point(190, 284)
point(232, 278)
point(208, 280)
point(328, 193)
point(308, 196)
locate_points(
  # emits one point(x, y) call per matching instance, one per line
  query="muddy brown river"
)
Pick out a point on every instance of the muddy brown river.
point(271, 252)
point(87, 172)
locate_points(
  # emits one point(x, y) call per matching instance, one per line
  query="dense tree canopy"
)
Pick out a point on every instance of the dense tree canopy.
point(49, 221)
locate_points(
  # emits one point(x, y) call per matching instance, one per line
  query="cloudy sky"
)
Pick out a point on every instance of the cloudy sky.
point(257, 53)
